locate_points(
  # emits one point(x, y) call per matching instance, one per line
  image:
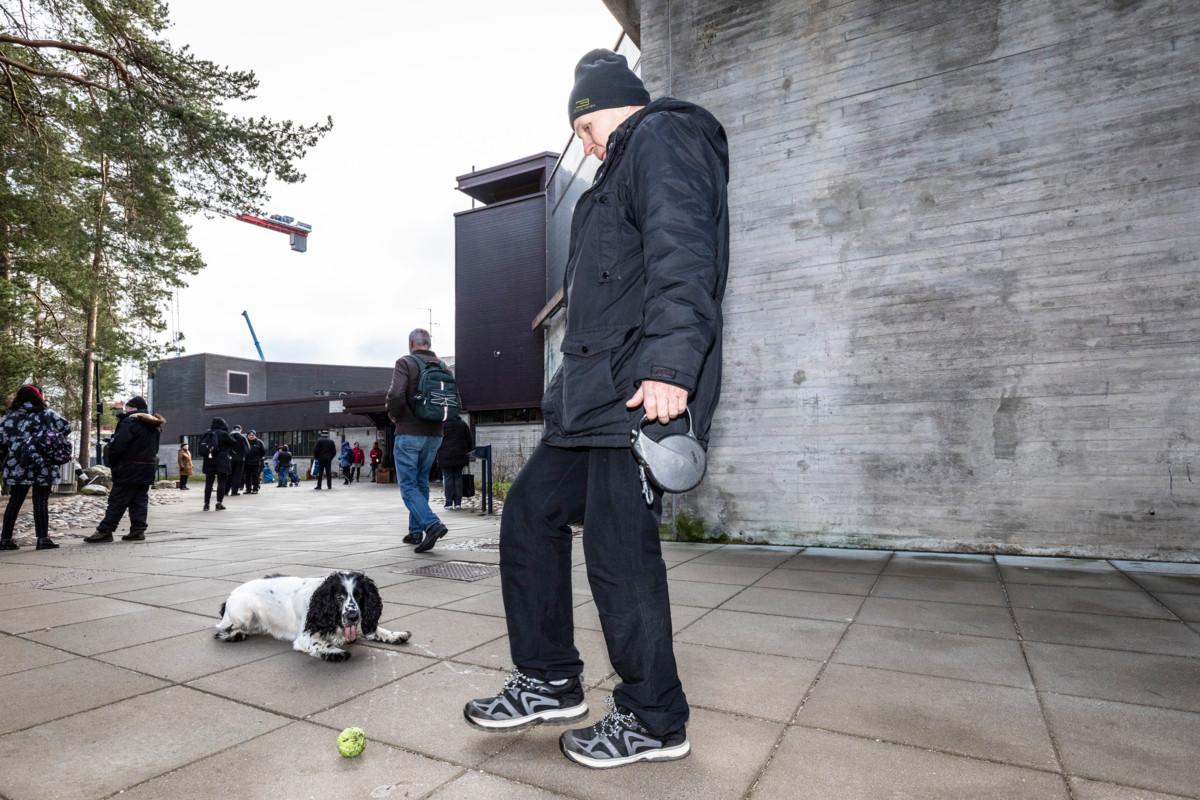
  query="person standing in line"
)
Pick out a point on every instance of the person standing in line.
point(216, 448)
point(237, 458)
point(417, 443)
point(324, 452)
point(345, 461)
point(34, 442)
point(184, 459)
point(452, 456)
point(254, 462)
point(643, 291)
point(357, 458)
point(283, 465)
point(376, 459)
point(133, 458)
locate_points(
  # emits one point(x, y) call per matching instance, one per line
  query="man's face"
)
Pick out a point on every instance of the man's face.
point(130, 409)
point(593, 129)
point(253, 437)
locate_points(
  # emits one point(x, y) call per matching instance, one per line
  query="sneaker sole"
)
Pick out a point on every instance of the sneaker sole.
point(559, 716)
point(675, 753)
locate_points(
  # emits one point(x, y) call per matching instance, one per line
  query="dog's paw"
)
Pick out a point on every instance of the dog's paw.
point(335, 655)
point(230, 636)
point(400, 637)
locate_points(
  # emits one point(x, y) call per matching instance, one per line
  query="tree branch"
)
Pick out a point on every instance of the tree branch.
point(62, 336)
point(52, 73)
point(73, 47)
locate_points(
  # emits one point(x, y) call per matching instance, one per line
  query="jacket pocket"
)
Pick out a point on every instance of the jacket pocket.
point(590, 399)
point(610, 220)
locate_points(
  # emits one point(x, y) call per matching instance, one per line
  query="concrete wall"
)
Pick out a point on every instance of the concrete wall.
point(964, 300)
point(512, 445)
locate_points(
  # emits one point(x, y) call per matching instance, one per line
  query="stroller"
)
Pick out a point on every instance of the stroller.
point(293, 476)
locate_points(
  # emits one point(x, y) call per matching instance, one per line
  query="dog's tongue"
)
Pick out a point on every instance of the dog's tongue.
point(350, 634)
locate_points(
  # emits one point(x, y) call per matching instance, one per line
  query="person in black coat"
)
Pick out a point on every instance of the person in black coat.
point(452, 456)
point(283, 465)
point(218, 464)
point(643, 291)
point(237, 457)
point(324, 452)
point(133, 458)
point(254, 462)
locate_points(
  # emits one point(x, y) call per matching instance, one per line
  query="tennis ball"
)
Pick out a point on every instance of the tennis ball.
point(351, 742)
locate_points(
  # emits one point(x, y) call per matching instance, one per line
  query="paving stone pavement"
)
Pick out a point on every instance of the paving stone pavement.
point(812, 673)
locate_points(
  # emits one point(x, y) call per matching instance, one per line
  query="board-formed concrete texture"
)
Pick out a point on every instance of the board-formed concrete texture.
point(808, 674)
point(963, 309)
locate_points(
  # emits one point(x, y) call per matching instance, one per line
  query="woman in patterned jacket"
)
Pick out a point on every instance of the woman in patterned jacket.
point(34, 441)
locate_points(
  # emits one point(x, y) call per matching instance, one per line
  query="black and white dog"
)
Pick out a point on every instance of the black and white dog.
point(319, 616)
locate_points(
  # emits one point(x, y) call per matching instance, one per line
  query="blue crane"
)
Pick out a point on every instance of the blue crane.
point(257, 346)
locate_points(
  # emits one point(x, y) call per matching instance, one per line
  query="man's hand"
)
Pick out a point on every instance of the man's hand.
point(660, 401)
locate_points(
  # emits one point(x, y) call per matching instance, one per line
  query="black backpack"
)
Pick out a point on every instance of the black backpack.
point(436, 396)
point(207, 446)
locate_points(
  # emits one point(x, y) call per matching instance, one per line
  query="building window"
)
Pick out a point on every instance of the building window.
point(239, 382)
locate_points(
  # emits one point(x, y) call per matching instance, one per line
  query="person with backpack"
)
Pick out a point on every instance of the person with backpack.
point(237, 461)
point(346, 462)
point(324, 451)
point(283, 465)
point(34, 442)
point(254, 462)
point(216, 448)
point(422, 396)
point(133, 459)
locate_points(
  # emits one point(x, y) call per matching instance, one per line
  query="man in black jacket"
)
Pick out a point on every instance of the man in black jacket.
point(133, 458)
point(218, 461)
point(643, 286)
point(324, 452)
point(237, 459)
point(254, 462)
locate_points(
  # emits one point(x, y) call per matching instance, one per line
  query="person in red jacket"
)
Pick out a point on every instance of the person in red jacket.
point(376, 459)
point(357, 459)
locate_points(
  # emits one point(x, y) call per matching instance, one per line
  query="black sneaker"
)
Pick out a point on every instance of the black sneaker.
point(9, 544)
point(428, 539)
point(619, 739)
point(46, 544)
point(99, 537)
point(413, 537)
point(526, 701)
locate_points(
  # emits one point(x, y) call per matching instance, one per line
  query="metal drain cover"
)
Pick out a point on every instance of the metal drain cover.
point(454, 570)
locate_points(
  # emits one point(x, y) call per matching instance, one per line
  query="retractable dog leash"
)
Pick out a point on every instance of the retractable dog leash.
point(674, 463)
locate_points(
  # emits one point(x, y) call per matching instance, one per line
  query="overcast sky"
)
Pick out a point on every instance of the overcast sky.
point(419, 93)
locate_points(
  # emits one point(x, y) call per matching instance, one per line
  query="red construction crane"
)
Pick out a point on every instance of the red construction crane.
point(298, 231)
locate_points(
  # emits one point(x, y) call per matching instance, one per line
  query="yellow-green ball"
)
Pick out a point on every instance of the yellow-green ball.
point(351, 742)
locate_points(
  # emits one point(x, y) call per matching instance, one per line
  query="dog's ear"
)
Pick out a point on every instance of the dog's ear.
point(371, 604)
point(324, 612)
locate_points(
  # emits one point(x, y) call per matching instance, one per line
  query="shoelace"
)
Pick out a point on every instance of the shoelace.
point(519, 680)
point(616, 720)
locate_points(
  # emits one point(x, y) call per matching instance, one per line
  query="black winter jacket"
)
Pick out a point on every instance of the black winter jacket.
point(645, 277)
point(325, 449)
point(256, 453)
point(133, 451)
point(221, 461)
point(457, 444)
point(241, 447)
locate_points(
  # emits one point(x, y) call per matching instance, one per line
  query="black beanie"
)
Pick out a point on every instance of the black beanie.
point(137, 402)
point(603, 79)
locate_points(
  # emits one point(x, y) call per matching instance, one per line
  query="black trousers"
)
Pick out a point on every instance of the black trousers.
point(253, 476)
point(325, 473)
point(132, 496)
point(183, 479)
point(41, 509)
point(625, 568)
point(222, 481)
point(237, 477)
point(452, 485)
